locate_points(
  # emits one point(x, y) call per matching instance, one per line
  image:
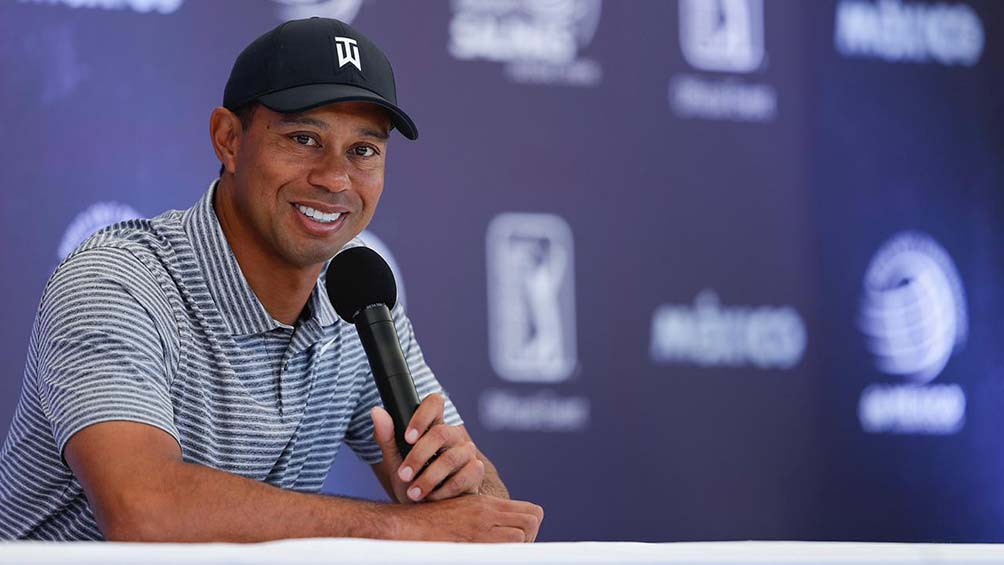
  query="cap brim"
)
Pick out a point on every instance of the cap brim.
point(303, 98)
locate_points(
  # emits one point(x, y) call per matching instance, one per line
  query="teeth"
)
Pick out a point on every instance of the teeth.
point(317, 215)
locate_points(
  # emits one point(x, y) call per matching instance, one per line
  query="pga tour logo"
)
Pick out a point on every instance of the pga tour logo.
point(722, 35)
point(531, 297)
point(348, 52)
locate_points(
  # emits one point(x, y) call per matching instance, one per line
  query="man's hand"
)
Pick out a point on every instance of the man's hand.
point(472, 519)
point(455, 471)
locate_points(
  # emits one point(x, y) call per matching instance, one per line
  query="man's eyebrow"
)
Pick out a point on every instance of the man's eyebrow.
point(367, 132)
point(296, 119)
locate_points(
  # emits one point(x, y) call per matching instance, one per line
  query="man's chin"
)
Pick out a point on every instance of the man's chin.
point(307, 252)
point(307, 261)
point(314, 256)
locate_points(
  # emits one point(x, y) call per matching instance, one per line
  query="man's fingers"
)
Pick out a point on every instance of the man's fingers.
point(450, 461)
point(383, 434)
point(466, 480)
point(438, 437)
point(429, 413)
point(503, 534)
point(526, 509)
point(526, 523)
point(521, 507)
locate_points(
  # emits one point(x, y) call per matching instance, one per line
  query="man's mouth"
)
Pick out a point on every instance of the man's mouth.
point(317, 215)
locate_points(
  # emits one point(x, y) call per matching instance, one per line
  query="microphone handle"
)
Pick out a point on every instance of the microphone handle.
point(389, 367)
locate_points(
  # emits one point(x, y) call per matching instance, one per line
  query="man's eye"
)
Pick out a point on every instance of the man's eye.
point(364, 151)
point(304, 139)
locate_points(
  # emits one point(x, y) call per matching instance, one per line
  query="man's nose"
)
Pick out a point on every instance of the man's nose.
point(330, 173)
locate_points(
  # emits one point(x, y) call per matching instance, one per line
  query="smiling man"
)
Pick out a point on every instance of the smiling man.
point(187, 378)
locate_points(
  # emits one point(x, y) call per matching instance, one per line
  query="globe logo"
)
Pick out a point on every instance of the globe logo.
point(913, 311)
point(93, 218)
point(371, 240)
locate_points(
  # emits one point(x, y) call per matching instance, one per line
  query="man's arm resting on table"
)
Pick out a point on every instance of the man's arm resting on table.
point(140, 489)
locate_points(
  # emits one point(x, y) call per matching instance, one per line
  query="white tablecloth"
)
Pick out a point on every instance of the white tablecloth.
point(412, 553)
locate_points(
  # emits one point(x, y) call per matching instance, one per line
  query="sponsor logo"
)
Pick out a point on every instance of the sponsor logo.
point(708, 334)
point(538, 40)
point(722, 36)
point(376, 244)
point(139, 6)
point(348, 52)
point(938, 409)
point(531, 302)
point(913, 318)
point(542, 411)
point(92, 219)
point(894, 31)
point(914, 309)
point(728, 99)
point(531, 297)
point(344, 10)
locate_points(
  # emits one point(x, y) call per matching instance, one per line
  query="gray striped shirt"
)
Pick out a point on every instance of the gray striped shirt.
point(152, 321)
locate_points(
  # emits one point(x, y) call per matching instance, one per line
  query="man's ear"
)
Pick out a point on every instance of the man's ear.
point(225, 132)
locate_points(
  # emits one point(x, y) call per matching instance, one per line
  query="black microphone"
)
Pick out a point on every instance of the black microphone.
point(361, 287)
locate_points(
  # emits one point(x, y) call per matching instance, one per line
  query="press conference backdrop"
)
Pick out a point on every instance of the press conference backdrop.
point(695, 270)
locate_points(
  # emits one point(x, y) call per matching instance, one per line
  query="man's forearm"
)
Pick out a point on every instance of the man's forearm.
point(192, 503)
point(492, 484)
point(196, 503)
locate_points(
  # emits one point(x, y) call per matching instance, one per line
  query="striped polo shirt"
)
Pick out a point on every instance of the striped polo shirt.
point(152, 321)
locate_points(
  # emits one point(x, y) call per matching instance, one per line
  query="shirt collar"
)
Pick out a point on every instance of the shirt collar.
point(242, 312)
point(320, 305)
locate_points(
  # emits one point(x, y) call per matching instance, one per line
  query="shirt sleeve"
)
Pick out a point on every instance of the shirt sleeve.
point(102, 356)
point(359, 435)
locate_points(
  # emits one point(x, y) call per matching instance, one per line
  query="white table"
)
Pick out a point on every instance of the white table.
point(412, 553)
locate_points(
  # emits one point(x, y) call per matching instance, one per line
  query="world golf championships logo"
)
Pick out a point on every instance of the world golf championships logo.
point(914, 308)
point(92, 219)
point(913, 318)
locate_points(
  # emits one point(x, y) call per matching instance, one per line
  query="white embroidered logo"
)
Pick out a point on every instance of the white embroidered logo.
point(348, 52)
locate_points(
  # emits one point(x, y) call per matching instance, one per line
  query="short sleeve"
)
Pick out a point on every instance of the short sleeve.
point(359, 435)
point(101, 341)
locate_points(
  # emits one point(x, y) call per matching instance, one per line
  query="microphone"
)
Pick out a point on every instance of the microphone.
point(362, 290)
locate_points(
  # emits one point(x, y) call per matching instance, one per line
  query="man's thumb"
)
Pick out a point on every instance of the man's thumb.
point(383, 433)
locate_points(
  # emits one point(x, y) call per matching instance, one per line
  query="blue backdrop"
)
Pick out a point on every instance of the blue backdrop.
point(695, 270)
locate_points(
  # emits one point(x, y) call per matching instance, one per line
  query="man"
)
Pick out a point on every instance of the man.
point(187, 378)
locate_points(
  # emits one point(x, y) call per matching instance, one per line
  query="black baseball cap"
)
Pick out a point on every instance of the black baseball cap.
point(303, 64)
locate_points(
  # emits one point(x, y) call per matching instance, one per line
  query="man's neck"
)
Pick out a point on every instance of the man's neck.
point(283, 289)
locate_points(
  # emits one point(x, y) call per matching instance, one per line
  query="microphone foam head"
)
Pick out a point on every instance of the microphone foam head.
point(359, 277)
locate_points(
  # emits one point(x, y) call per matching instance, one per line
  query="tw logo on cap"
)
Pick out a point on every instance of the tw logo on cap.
point(348, 52)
